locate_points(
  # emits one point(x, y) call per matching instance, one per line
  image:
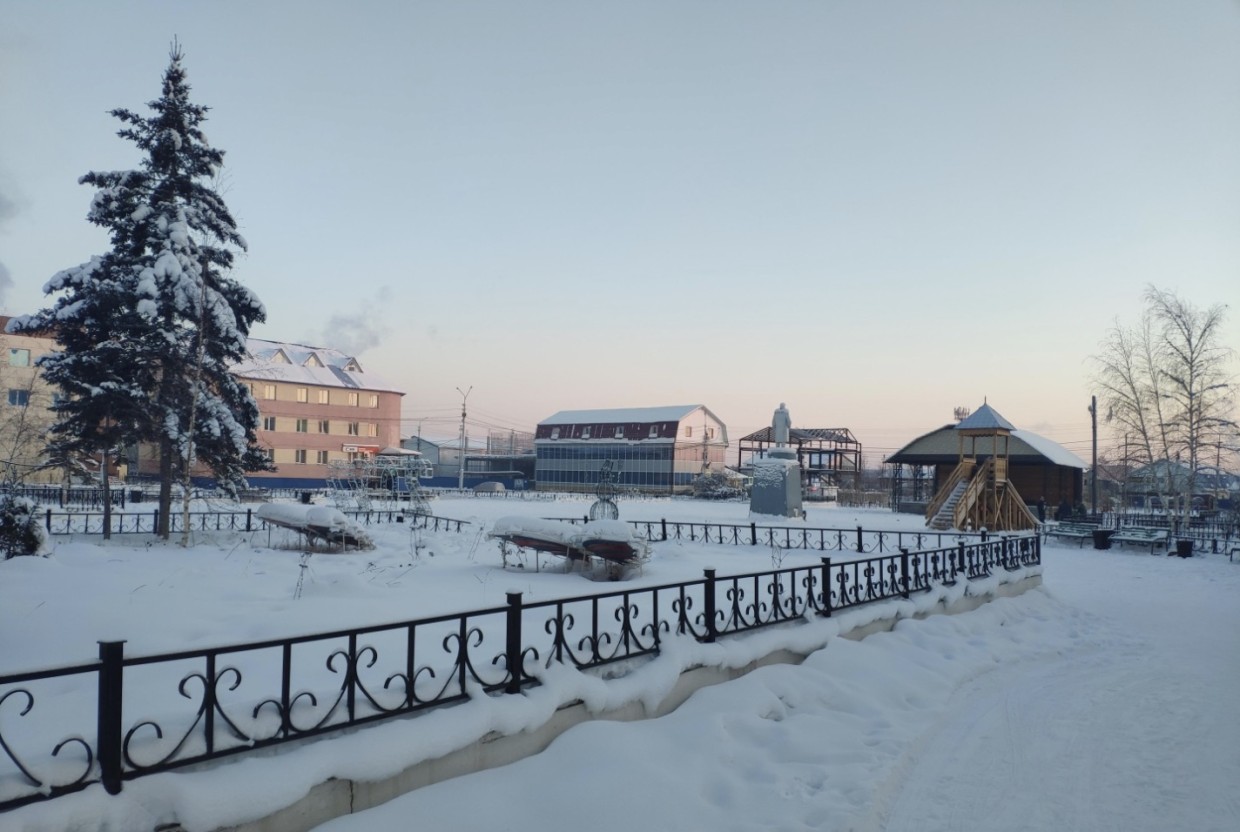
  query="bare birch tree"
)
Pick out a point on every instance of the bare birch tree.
point(1165, 385)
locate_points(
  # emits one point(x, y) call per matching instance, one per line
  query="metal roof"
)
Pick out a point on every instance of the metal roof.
point(943, 446)
point(298, 364)
point(985, 418)
point(621, 415)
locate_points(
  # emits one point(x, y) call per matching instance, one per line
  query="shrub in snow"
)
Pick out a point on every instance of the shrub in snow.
point(715, 486)
point(20, 532)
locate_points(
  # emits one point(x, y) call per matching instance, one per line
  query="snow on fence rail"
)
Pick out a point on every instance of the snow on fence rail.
point(63, 729)
point(795, 537)
point(147, 522)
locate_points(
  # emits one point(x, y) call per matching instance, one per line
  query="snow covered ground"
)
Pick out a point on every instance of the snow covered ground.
point(1108, 699)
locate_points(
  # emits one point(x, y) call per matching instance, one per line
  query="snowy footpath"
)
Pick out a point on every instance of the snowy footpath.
point(1107, 700)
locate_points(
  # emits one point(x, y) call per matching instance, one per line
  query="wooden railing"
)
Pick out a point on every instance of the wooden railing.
point(963, 471)
point(974, 492)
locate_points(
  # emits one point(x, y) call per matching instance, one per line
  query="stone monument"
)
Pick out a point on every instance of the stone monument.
point(777, 476)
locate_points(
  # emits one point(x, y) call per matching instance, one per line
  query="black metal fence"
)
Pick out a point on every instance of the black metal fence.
point(199, 705)
point(82, 522)
point(74, 496)
point(795, 537)
point(1196, 528)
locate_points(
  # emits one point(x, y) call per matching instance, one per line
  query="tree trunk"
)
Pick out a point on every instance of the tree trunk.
point(164, 528)
point(105, 483)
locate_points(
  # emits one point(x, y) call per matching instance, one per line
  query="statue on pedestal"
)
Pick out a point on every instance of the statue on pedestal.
point(781, 424)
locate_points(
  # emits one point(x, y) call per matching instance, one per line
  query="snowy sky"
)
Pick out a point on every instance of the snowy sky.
point(578, 205)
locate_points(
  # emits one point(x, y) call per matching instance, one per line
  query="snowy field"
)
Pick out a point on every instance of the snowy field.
point(1108, 699)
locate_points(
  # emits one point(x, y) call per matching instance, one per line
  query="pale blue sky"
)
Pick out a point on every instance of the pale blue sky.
point(872, 211)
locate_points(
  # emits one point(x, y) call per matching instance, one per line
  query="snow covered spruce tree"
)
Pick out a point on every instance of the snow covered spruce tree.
point(149, 330)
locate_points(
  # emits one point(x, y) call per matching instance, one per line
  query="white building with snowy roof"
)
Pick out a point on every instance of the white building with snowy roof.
point(317, 405)
point(657, 449)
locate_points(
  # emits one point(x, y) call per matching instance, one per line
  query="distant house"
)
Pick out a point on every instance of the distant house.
point(1148, 486)
point(657, 449)
point(427, 448)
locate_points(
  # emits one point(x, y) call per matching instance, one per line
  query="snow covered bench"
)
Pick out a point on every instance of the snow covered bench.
point(1141, 537)
point(1076, 531)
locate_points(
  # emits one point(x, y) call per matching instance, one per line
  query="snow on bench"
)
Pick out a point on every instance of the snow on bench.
point(1077, 531)
point(1141, 537)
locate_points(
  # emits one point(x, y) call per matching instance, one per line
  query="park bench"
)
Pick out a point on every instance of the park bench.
point(1076, 531)
point(1154, 538)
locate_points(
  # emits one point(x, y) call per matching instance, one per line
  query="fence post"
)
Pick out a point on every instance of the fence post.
point(108, 730)
point(959, 561)
point(249, 512)
point(903, 572)
point(512, 647)
point(49, 521)
point(984, 534)
point(753, 534)
point(709, 602)
point(860, 547)
point(663, 524)
point(826, 588)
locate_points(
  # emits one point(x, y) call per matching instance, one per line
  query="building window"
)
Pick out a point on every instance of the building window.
point(299, 456)
point(372, 429)
point(19, 398)
point(271, 454)
point(303, 425)
point(323, 397)
point(555, 433)
point(688, 431)
point(373, 400)
point(269, 391)
point(19, 358)
point(620, 433)
point(303, 395)
point(585, 433)
point(354, 429)
point(710, 433)
point(320, 457)
point(325, 426)
point(269, 423)
point(654, 431)
point(352, 400)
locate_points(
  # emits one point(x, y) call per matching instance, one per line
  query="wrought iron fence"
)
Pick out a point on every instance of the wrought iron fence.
point(83, 522)
point(74, 496)
point(1197, 528)
point(793, 537)
point(210, 703)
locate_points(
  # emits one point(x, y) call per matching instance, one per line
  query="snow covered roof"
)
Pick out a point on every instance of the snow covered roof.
point(985, 418)
point(943, 446)
point(300, 364)
point(621, 415)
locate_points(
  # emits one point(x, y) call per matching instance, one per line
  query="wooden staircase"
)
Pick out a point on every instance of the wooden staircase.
point(979, 497)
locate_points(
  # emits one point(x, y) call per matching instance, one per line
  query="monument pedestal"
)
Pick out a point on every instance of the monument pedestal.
point(777, 485)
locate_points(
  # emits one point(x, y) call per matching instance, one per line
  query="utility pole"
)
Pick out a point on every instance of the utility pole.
point(460, 482)
point(1093, 480)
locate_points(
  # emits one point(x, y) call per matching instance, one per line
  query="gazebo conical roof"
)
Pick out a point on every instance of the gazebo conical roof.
point(984, 421)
